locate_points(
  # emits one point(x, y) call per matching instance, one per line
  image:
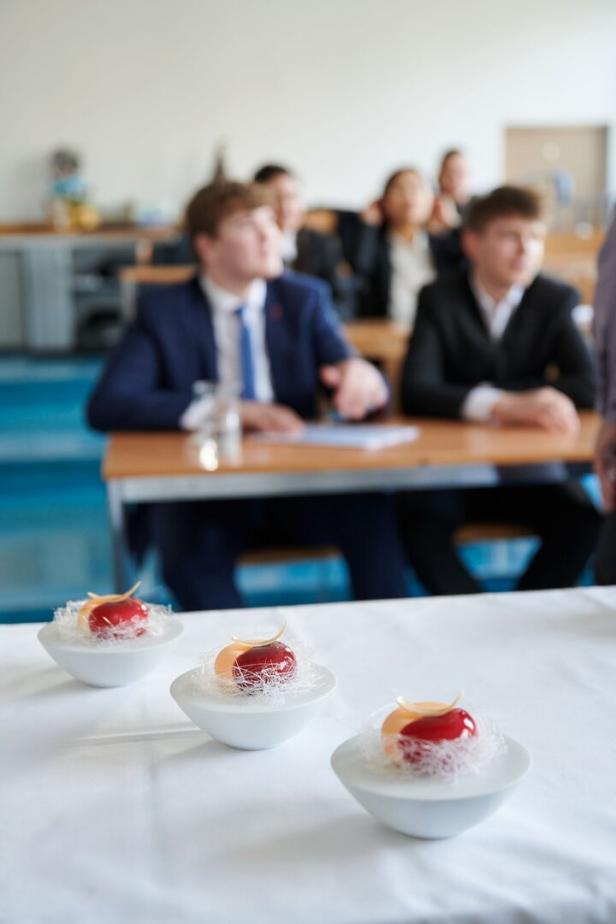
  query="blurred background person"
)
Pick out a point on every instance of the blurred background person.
point(304, 249)
point(396, 255)
point(605, 453)
point(453, 191)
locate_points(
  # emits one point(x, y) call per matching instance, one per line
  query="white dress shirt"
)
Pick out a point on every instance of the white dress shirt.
point(411, 269)
point(226, 325)
point(288, 246)
point(480, 400)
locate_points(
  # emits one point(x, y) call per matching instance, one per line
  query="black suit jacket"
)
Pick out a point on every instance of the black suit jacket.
point(372, 262)
point(321, 255)
point(451, 350)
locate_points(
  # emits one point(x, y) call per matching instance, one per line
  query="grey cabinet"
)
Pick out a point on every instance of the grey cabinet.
point(50, 284)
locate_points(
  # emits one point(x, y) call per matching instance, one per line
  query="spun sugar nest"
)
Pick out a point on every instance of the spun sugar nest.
point(446, 759)
point(74, 630)
point(271, 687)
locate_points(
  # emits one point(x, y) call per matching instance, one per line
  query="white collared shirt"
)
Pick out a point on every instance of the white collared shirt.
point(288, 246)
point(226, 326)
point(411, 269)
point(480, 400)
point(497, 314)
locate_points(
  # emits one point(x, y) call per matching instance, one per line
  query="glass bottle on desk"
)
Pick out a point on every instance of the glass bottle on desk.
point(219, 434)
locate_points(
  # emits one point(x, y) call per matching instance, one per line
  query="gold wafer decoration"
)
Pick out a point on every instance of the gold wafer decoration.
point(257, 642)
point(428, 709)
point(97, 600)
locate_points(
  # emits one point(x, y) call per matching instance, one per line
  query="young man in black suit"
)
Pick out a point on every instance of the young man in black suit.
point(498, 344)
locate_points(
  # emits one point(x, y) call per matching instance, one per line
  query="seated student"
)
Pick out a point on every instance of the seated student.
point(395, 254)
point(275, 338)
point(483, 348)
point(453, 195)
point(303, 249)
point(604, 329)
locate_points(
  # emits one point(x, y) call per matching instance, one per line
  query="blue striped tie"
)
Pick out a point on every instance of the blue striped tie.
point(246, 356)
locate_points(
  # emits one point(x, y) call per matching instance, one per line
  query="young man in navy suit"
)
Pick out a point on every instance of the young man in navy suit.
point(274, 338)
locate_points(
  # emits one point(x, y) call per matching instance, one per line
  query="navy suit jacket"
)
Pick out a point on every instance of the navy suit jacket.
point(147, 383)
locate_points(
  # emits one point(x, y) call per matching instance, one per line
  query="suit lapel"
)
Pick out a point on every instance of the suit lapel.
point(514, 341)
point(475, 312)
point(487, 352)
point(276, 338)
point(302, 244)
point(517, 323)
point(201, 330)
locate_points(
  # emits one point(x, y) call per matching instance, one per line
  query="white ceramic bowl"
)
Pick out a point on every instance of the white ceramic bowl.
point(110, 665)
point(250, 723)
point(429, 807)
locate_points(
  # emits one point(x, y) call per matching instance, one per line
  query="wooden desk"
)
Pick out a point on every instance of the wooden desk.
point(574, 259)
point(114, 231)
point(148, 275)
point(383, 341)
point(131, 277)
point(579, 271)
point(570, 244)
point(158, 467)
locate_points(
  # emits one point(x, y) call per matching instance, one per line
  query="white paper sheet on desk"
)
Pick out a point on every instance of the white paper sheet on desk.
point(346, 436)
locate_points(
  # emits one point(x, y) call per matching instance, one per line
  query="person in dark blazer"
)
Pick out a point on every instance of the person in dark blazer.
point(303, 249)
point(395, 254)
point(498, 344)
point(274, 339)
point(452, 195)
point(604, 329)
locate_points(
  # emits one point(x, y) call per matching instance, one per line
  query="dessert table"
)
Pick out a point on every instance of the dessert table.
point(113, 807)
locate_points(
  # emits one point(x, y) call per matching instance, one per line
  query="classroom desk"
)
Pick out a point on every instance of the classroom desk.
point(381, 340)
point(166, 466)
point(116, 808)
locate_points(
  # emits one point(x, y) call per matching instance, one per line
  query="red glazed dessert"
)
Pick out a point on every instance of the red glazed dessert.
point(115, 616)
point(413, 728)
point(259, 662)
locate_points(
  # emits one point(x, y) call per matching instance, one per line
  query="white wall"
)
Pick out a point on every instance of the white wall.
point(343, 90)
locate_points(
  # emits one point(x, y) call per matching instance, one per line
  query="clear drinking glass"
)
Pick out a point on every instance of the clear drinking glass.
point(220, 434)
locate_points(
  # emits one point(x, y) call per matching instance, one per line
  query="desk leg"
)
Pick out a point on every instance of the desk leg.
point(122, 567)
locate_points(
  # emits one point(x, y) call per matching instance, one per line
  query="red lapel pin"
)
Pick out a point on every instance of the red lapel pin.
point(275, 312)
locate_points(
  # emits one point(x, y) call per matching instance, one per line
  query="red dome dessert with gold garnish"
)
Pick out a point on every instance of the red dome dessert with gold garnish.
point(411, 731)
point(256, 663)
point(114, 616)
point(109, 640)
point(254, 693)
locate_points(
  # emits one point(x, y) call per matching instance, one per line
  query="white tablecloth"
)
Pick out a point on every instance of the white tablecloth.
point(114, 808)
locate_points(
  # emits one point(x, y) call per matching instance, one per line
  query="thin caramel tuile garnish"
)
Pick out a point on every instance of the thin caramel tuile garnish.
point(257, 642)
point(428, 709)
point(96, 600)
